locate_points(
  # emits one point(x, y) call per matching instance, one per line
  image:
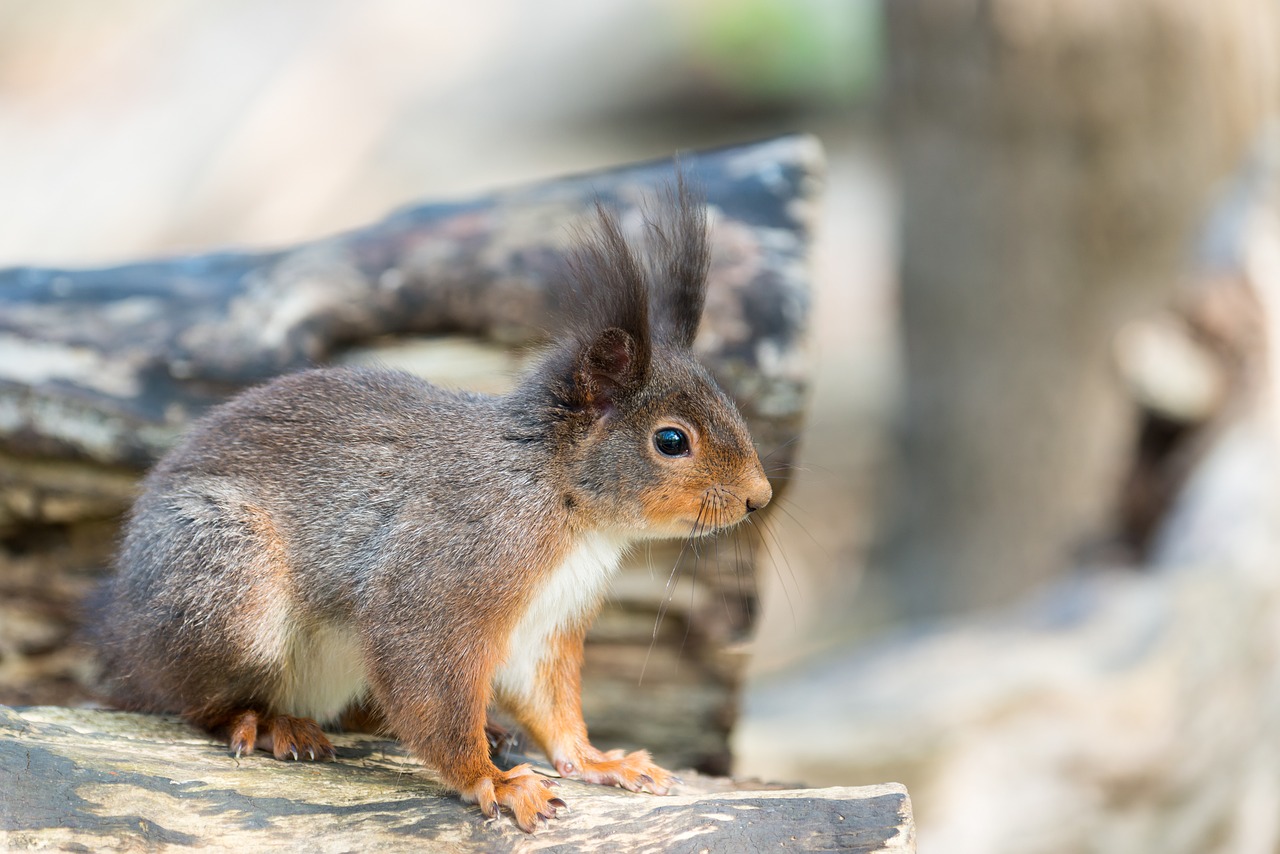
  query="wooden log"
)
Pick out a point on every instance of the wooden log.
point(101, 369)
point(98, 780)
point(108, 365)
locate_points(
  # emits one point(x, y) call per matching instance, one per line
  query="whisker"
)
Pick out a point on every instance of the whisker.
point(690, 543)
point(777, 571)
point(688, 622)
point(779, 469)
point(781, 504)
point(668, 591)
point(737, 571)
point(772, 530)
point(813, 469)
point(783, 446)
point(719, 580)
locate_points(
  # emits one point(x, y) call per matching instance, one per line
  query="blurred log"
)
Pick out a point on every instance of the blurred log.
point(1054, 158)
point(101, 369)
point(108, 365)
point(84, 780)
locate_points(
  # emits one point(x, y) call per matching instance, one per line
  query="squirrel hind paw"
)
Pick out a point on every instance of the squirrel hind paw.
point(530, 798)
point(299, 739)
point(285, 736)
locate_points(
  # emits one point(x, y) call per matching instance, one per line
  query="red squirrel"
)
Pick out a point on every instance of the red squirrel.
point(347, 537)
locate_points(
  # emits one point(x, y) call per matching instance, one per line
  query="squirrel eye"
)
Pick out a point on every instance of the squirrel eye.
point(672, 442)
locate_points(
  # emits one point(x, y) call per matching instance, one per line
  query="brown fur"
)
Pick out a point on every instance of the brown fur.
point(359, 539)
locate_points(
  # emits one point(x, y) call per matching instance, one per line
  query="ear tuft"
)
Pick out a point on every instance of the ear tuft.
point(610, 322)
point(617, 291)
point(611, 287)
point(680, 258)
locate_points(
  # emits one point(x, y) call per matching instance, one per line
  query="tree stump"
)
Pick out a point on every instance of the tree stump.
point(100, 371)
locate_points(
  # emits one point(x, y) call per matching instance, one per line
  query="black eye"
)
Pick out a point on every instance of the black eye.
point(671, 441)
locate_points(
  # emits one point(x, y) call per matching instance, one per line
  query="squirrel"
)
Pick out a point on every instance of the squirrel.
point(358, 537)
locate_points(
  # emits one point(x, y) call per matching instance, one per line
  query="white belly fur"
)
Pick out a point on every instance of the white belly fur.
point(573, 589)
point(323, 673)
point(324, 668)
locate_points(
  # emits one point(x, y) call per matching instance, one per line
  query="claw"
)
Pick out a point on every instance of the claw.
point(558, 803)
point(549, 783)
point(298, 739)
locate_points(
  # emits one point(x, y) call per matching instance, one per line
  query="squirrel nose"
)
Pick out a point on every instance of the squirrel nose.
point(760, 495)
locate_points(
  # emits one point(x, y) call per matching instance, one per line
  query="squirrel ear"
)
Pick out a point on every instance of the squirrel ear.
point(609, 368)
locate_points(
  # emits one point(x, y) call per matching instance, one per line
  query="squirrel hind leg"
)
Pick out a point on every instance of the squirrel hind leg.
point(363, 716)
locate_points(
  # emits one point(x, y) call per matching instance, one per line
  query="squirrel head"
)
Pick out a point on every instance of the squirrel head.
point(648, 441)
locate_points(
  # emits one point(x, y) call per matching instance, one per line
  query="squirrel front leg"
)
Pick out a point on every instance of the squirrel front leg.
point(550, 711)
point(434, 691)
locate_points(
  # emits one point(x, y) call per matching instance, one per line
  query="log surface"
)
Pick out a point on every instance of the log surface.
point(127, 782)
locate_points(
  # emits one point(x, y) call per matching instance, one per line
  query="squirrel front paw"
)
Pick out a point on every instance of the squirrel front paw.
point(527, 795)
point(635, 772)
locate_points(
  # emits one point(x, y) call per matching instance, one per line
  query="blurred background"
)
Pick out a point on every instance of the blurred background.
point(1026, 562)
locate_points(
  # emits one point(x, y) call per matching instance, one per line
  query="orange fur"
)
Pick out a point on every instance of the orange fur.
point(553, 717)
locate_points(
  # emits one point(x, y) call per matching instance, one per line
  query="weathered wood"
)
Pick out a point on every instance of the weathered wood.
point(101, 369)
point(107, 365)
point(126, 782)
